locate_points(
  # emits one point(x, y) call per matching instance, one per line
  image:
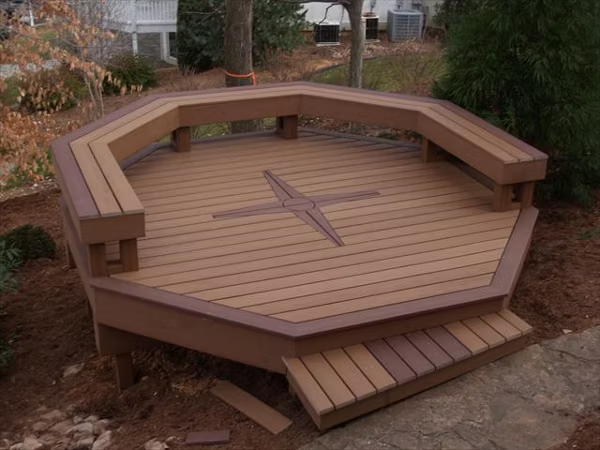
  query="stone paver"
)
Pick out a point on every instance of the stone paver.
point(530, 400)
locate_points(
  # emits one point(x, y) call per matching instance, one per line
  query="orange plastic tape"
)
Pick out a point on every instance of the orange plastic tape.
point(251, 74)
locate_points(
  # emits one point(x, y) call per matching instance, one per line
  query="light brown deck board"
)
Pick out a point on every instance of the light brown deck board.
point(329, 380)
point(430, 231)
point(231, 275)
point(347, 370)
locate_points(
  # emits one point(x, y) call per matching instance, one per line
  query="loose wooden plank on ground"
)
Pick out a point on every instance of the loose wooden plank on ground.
point(261, 413)
point(207, 437)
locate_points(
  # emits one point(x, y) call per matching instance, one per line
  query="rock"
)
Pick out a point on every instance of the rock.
point(53, 416)
point(154, 444)
point(77, 419)
point(42, 409)
point(4, 444)
point(171, 440)
point(73, 370)
point(62, 427)
point(85, 443)
point(101, 426)
point(81, 430)
point(33, 444)
point(40, 426)
point(103, 442)
point(91, 419)
point(18, 446)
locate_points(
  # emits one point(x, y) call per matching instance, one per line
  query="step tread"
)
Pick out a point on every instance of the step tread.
point(357, 377)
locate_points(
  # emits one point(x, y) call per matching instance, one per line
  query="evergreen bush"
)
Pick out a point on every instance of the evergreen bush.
point(131, 71)
point(277, 25)
point(533, 68)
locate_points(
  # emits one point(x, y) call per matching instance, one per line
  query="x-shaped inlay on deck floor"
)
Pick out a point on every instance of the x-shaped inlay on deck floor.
point(306, 208)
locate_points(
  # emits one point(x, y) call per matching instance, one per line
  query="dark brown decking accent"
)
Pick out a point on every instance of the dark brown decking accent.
point(306, 208)
point(448, 343)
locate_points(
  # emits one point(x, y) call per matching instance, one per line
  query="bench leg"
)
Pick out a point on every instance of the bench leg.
point(287, 127)
point(124, 370)
point(181, 139)
point(508, 197)
point(431, 152)
point(129, 255)
point(97, 260)
point(524, 194)
point(70, 260)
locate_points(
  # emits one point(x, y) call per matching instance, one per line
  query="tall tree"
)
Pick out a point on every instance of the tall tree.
point(355, 8)
point(238, 52)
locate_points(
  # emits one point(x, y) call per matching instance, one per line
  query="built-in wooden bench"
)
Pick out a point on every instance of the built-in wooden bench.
point(338, 385)
point(105, 208)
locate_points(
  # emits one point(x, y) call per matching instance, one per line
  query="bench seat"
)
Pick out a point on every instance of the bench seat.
point(104, 207)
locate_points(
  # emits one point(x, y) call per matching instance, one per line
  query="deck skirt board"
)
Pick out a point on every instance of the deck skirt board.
point(410, 363)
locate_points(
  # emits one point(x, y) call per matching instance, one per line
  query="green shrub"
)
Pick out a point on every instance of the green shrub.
point(450, 12)
point(51, 90)
point(277, 25)
point(131, 71)
point(31, 242)
point(9, 260)
point(533, 68)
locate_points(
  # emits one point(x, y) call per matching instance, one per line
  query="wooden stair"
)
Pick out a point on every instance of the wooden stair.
point(338, 385)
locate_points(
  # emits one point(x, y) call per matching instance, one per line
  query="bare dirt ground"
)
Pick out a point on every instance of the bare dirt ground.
point(558, 291)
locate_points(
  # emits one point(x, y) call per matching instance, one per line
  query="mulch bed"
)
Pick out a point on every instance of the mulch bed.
point(559, 290)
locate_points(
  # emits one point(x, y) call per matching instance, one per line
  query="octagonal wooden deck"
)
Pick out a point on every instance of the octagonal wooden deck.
point(291, 250)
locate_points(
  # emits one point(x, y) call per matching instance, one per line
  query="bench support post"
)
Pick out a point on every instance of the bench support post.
point(181, 139)
point(70, 260)
point(124, 370)
point(129, 255)
point(287, 127)
point(431, 152)
point(97, 260)
point(513, 196)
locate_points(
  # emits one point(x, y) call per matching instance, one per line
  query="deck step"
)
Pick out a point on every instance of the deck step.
point(338, 385)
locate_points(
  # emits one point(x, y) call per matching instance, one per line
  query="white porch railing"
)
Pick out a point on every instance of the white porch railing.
point(156, 11)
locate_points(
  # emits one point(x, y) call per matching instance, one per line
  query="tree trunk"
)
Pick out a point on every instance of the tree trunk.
point(238, 52)
point(354, 9)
